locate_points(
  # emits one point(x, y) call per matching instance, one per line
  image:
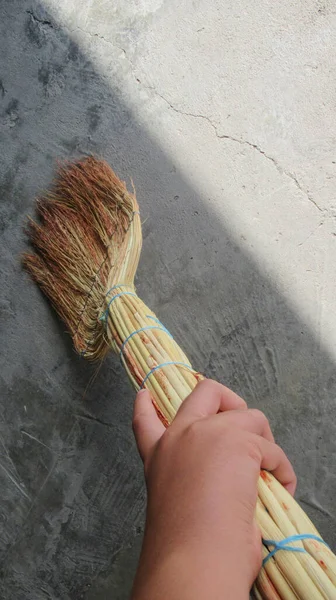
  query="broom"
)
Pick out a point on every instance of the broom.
point(87, 246)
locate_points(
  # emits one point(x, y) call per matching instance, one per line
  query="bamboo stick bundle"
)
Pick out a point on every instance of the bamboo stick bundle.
point(87, 246)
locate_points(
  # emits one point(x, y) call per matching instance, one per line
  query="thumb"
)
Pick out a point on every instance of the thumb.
point(147, 426)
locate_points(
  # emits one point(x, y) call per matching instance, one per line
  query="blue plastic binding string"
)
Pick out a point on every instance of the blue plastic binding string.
point(105, 313)
point(117, 296)
point(283, 544)
point(166, 364)
point(118, 285)
point(161, 328)
point(159, 323)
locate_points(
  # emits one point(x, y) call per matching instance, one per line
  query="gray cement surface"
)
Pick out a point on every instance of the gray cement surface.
point(223, 114)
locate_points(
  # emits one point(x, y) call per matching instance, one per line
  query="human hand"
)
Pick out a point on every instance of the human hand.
point(201, 538)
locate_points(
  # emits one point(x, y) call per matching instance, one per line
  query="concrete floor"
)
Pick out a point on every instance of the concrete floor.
point(223, 114)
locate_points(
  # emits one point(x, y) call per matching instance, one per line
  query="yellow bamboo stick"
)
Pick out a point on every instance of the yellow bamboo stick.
point(322, 554)
point(280, 518)
point(141, 357)
point(166, 342)
point(257, 595)
point(288, 561)
point(173, 372)
point(182, 391)
point(279, 581)
point(266, 588)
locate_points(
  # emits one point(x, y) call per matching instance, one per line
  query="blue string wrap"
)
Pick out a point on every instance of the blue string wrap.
point(117, 296)
point(283, 544)
point(119, 285)
point(105, 313)
point(158, 325)
point(165, 364)
point(161, 328)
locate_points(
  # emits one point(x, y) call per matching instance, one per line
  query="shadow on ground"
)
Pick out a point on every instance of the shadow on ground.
point(71, 509)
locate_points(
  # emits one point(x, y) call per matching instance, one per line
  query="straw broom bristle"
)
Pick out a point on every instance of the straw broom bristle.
point(82, 225)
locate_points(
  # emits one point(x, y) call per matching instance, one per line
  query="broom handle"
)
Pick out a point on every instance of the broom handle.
point(152, 359)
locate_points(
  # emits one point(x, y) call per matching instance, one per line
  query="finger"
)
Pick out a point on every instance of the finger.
point(251, 420)
point(275, 460)
point(147, 426)
point(207, 399)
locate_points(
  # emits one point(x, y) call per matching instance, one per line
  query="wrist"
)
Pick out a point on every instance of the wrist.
point(190, 573)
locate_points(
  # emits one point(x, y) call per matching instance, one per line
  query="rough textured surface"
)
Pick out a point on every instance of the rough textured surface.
point(223, 114)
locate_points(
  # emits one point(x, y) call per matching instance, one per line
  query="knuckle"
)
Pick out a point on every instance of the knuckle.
point(253, 450)
point(193, 429)
point(233, 438)
point(167, 439)
point(195, 433)
point(208, 384)
point(258, 414)
point(282, 455)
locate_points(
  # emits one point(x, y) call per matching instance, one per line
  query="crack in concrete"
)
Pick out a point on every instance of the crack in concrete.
point(243, 143)
point(189, 114)
point(52, 25)
point(312, 233)
point(96, 35)
point(41, 21)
